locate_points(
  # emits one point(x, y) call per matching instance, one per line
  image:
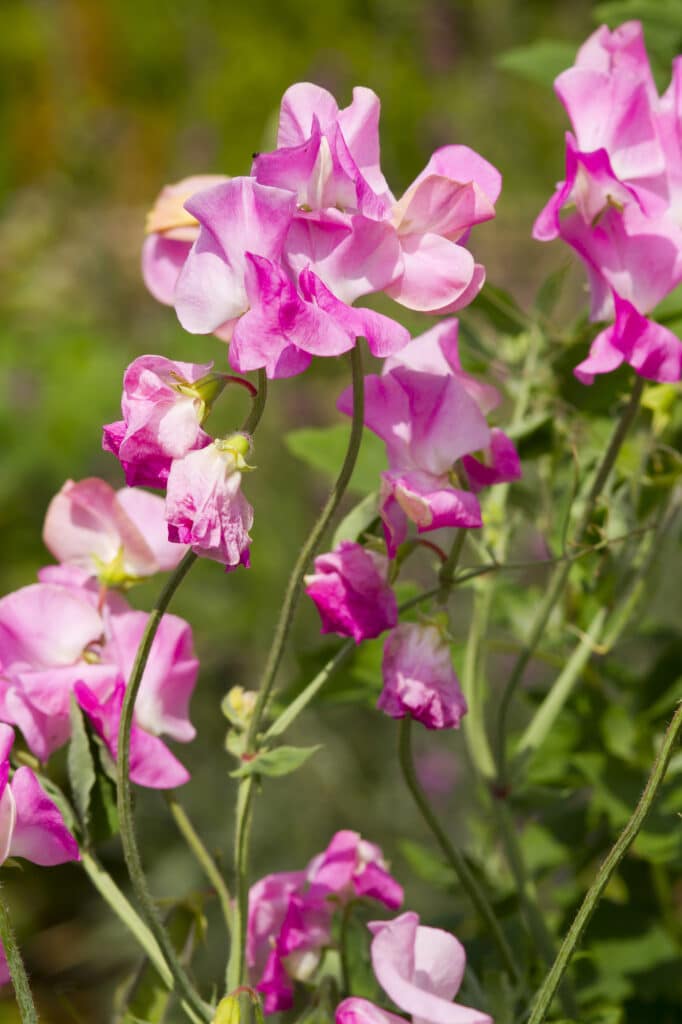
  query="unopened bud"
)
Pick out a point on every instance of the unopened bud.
point(238, 705)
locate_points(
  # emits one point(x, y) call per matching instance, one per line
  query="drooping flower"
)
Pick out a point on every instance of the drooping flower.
point(164, 404)
point(31, 825)
point(419, 679)
point(171, 230)
point(205, 507)
point(420, 969)
point(119, 537)
point(351, 592)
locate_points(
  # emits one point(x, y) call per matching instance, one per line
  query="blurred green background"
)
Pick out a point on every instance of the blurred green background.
point(102, 103)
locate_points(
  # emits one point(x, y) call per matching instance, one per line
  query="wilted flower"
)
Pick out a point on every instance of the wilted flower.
point(350, 588)
point(419, 679)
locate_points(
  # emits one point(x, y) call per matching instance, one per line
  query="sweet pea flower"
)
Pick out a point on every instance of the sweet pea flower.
point(54, 635)
point(290, 913)
point(31, 825)
point(205, 507)
point(164, 404)
point(352, 868)
point(428, 422)
point(119, 537)
point(151, 762)
point(419, 679)
point(171, 230)
point(420, 969)
point(456, 190)
point(351, 592)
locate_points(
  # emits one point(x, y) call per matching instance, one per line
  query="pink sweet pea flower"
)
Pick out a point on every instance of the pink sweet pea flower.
point(151, 762)
point(351, 592)
point(421, 969)
point(50, 636)
point(205, 507)
point(352, 868)
point(653, 351)
point(118, 537)
point(236, 218)
point(31, 825)
point(456, 190)
point(419, 679)
point(164, 404)
point(171, 230)
point(428, 421)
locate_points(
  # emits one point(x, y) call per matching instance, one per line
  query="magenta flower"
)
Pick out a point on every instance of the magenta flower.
point(205, 507)
point(164, 404)
point(291, 913)
point(419, 679)
point(119, 537)
point(352, 868)
point(151, 762)
point(171, 230)
point(351, 592)
point(456, 190)
point(31, 825)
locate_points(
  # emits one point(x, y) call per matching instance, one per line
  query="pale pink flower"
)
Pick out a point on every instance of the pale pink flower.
point(171, 230)
point(205, 507)
point(419, 679)
point(119, 537)
point(351, 592)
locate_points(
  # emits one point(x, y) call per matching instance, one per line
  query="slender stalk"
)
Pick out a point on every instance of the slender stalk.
point(202, 856)
point(615, 856)
point(112, 895)
point(343, 949)
point(446, 576)
point(258, 404)
point(474, 722)
point(131, 853)
point(22, 989)
point(559, 579)
point(293, 710)
point(235, 969)
point(451, 853)
point(535, 922)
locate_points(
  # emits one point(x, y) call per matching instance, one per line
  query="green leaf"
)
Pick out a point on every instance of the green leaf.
point(281, 761)
point(80, 764)
point(324, 449)
point(500, 309)
point(357, 520)
point(539, 62)
point(427, 865)
point(550, 290)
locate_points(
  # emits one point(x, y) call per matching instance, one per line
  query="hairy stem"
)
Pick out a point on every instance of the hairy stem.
point(559, 579)
point(451, 853)
point(235, 969)
point(202, 856)
point(22, 989)
point(181, 982)
point(594, 893)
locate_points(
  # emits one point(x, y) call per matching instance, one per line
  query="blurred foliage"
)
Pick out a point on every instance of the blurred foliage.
point(104, 102)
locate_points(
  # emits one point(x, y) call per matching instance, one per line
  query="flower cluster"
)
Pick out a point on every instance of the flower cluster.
point(620, 206)
point(272, 262)
point(291, 913)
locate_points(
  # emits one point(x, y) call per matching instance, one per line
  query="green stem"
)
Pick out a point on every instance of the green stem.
point(548, 712)
point(202, 856)
point(452, 855)
point(112, 895)
point(235, 969)
point(258, 404)
point(472, 685)
point(535, 922)
point(131, 853)
point(446, 576)
point(594, 893)
point(559, 579)
point(343, 950)
point(293, 710)
point(22, 989)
